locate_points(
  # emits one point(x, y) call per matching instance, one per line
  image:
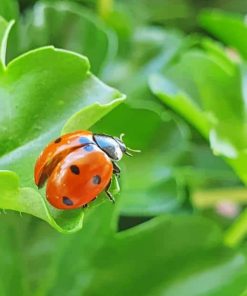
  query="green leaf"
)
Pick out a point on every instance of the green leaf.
point(88, 116)
point(40, 91)
point(228, 27)
point(168, 91)
point(27, 200)
point(68, 26)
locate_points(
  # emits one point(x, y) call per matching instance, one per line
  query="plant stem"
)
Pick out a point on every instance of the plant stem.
point(204, 199)
point(104, 7)
point(236, 233)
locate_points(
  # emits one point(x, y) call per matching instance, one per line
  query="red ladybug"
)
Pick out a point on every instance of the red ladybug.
point(78, 167)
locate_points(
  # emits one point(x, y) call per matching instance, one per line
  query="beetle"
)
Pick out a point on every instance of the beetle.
point(78, 166)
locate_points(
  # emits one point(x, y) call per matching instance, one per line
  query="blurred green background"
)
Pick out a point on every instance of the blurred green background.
point(180, 222)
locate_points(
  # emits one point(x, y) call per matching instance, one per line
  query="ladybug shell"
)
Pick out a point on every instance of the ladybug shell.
point(56, 151)
point(79, 177)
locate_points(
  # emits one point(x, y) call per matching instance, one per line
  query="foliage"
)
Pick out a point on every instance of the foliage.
point(185, 110)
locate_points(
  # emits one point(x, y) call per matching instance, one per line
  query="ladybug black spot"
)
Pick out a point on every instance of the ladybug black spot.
point(74, 169)
point(88, 148)
point(58, 140)
point(96, 180)
point(67, 201)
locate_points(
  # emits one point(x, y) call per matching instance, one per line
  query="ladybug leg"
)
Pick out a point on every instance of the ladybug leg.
point(116, 169)
point(87, 205)
point(108, 193)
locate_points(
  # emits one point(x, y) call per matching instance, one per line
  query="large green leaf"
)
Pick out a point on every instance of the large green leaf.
point(39, 93)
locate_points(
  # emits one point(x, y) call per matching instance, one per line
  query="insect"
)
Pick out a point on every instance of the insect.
point(78, 166)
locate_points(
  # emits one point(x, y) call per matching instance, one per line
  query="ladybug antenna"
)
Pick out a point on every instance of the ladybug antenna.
point(128, 150)
point(121, 137)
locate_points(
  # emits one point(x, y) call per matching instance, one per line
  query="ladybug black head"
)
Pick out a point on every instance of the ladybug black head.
point(114, 147)
point(121, 144)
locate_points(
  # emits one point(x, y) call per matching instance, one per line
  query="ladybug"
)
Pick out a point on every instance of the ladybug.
point(78, 166)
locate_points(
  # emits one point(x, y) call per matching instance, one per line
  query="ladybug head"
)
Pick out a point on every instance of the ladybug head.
point(114, 147)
